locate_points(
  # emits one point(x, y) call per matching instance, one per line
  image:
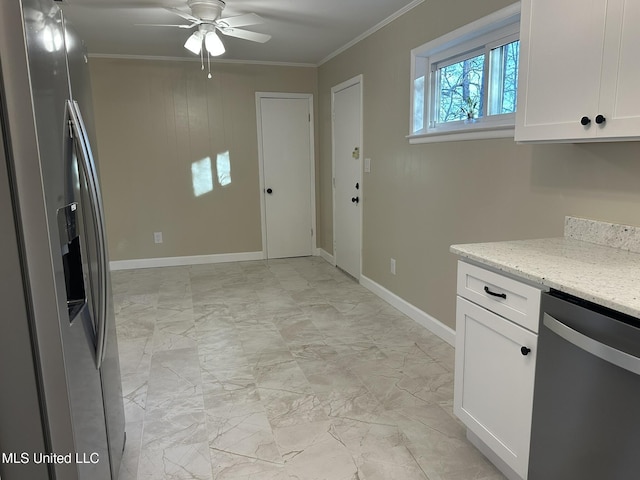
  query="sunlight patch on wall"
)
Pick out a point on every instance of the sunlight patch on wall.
point(223, 166)
point(202, 176)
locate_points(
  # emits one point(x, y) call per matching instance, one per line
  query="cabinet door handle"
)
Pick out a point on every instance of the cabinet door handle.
point(525, 351)
point(600, 119)
point(584, 121)
point(494, 294)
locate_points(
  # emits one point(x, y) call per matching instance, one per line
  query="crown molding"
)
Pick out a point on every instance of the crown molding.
point(371, 31)
point(216, 61)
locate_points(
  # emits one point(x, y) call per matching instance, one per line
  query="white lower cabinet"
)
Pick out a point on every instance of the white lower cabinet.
point(494, 375)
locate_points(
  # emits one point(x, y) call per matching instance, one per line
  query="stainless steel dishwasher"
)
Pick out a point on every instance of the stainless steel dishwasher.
point(586, 415)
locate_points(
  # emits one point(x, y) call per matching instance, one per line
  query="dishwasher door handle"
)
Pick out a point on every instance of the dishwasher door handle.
point(600, 350)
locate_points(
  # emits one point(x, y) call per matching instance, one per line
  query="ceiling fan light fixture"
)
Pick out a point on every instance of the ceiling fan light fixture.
point(194, 42)
point(214, 45)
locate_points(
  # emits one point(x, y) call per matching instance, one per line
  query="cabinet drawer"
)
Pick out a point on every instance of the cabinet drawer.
point(514, 300)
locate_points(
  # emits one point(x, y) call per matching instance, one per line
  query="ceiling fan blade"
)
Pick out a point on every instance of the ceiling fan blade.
point(128, 4)
point(185, 15)
point(241, 20)
point(163, 25)
point(245, 34)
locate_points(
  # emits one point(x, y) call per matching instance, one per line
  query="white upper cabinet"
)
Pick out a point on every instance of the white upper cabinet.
point(579, 71)
point(620, 88)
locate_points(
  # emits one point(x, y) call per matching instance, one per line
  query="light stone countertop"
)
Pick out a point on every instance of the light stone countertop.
point(607, 276)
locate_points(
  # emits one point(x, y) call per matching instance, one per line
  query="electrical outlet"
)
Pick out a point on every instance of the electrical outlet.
point(393, 266)
point(157, 237)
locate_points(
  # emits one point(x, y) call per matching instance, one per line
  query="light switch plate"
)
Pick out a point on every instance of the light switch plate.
point(367, 165)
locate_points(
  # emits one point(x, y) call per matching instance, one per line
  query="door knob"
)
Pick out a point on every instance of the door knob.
point(355, 200)
point(358, 186)
point(525, 350)
point(585, 121)
point(600, 119)
point(269, 191)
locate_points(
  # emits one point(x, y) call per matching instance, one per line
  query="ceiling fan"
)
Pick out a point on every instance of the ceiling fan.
point(206, 15)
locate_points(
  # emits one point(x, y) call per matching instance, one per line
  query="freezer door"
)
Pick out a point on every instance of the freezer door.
point(22, 428)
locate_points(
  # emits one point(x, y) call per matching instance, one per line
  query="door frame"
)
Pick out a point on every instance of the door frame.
point(312, 166)
point(358, 79)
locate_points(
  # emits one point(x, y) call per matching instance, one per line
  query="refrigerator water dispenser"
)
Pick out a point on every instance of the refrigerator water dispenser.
point(72, 259)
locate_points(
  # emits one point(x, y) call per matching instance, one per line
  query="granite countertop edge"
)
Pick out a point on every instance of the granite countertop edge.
point(603, 275)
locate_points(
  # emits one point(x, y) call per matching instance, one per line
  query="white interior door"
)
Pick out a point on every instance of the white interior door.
point(286, 138)
point(347, 168)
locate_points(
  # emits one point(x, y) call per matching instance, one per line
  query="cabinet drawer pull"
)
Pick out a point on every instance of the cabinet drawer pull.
point(525, 351)
point(600, 119)
point(584, 121)
point(494, 294)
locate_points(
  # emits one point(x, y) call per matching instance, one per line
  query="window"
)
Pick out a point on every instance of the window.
point(464, 84)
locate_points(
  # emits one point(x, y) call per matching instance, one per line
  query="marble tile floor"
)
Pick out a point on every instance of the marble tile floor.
point(282, 369)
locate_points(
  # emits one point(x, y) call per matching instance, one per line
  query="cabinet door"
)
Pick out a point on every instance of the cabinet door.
point(620, 99)
point(494, 381)
point(561, 51)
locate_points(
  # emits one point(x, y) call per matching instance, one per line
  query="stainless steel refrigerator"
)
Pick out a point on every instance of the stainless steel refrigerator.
point(61, 410)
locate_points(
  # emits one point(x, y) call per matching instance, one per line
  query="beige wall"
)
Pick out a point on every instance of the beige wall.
point(419, 199)
point(154, 119)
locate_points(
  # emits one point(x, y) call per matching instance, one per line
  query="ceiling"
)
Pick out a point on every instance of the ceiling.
point(303, 31)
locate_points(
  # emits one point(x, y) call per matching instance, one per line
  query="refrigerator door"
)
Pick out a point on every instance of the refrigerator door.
point(106, 348)
point(107, 343)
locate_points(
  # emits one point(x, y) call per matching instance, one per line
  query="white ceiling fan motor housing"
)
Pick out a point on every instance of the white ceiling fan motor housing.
point(207, 10)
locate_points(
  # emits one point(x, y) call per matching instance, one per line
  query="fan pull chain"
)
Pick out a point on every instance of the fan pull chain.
point(201, 60)
point(209, 64)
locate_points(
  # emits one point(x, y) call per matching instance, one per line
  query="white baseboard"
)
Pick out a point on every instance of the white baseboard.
point(182, 261)
point(326, 255)
point(430, 323)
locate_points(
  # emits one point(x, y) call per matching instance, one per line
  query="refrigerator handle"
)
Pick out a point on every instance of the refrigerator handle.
point(86, 157)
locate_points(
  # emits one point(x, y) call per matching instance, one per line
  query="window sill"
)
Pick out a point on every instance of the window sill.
point(460, 135)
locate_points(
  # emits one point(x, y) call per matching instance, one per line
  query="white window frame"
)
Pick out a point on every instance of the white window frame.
point(499, 28)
